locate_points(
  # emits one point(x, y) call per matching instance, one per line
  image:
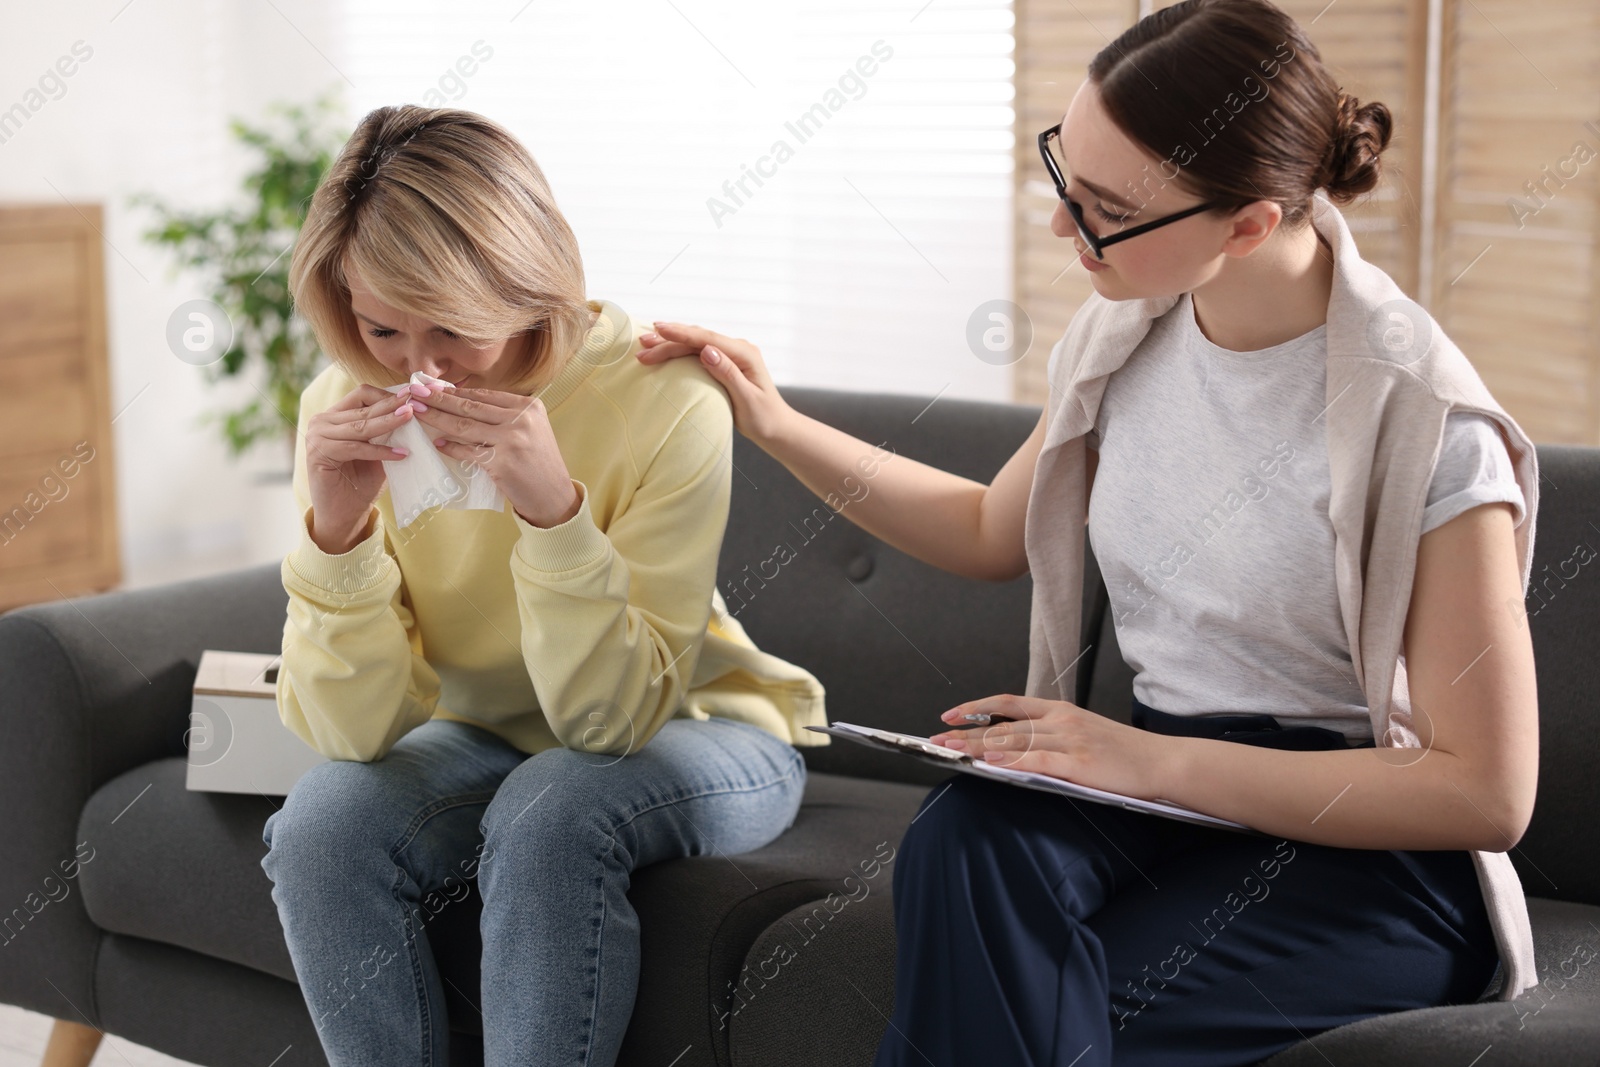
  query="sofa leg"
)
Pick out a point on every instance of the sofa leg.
point(71, 1045)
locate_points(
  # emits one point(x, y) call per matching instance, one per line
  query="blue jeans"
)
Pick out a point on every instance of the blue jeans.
point(362, 854)
point(1034, 929)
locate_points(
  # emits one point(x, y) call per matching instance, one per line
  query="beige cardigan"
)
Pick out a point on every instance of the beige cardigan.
point(1387, 403)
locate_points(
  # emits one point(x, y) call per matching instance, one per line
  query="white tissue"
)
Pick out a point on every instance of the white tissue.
point(426, 478)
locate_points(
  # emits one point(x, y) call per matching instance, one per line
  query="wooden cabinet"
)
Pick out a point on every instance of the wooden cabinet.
point(58, 515)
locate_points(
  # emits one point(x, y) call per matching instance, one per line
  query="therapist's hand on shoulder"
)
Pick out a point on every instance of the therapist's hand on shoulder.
point(1063, 740)
point(509, 436)
point(758, 411)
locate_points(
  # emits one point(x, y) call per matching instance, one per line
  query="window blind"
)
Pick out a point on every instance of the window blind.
point(830, 180)
point(1518, 283)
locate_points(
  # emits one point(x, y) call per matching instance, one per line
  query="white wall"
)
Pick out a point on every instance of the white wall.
point(149, 110)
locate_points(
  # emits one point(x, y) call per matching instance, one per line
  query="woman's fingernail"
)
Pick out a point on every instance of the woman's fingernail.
point(992, 755)
point(399, 451)
point(438, 442)
point(649, 337)
point(419, 405)
point(711, 354)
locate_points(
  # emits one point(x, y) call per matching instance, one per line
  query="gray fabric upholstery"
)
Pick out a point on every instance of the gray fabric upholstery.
point(840, 964)
point(1559, 856)
point(203, 889)
point(94, 688)
point(894, 641)
point(171, 922)
point(1556, 1022)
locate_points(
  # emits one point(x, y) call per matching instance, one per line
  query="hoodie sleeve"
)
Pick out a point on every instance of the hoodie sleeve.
point(353, 679)
point(613, 620)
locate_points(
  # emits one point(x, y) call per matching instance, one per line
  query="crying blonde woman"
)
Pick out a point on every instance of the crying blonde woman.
point(501, 695)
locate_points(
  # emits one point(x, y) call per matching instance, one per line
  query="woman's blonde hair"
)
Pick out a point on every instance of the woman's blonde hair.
point(442, 214)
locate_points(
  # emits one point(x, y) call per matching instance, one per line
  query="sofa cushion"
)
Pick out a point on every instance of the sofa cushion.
point(834, 957)
point(204, 889)
point(1557, 856)
point(839, 962)
point(182, 868)
point(1554, 1024)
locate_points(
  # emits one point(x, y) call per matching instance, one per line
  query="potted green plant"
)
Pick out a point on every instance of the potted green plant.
point(242, 252)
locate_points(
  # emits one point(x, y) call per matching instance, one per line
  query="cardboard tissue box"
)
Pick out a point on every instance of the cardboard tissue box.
point(236, 741)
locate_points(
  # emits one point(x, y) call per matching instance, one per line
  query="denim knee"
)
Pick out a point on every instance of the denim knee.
point(549, 797)
point(335, 810)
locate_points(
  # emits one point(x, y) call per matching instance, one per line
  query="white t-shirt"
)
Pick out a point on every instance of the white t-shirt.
point(1209, 519)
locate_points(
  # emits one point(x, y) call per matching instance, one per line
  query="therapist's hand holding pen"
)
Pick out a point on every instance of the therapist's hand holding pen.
point(1061, 739)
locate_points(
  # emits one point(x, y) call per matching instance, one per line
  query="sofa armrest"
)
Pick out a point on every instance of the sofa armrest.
point(92, 688)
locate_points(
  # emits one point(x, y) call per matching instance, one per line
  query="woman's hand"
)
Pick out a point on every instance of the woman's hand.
point(344, 469)
point(1061, 739)
point(509, 436)
point(758, 411)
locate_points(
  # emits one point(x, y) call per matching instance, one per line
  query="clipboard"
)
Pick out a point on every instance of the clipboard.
point(920, 748)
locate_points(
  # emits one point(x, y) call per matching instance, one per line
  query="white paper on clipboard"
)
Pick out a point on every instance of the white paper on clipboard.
point(956, 760)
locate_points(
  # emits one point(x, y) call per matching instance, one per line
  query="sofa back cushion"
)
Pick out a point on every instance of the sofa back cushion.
point(895, 641)
point(1559, 856)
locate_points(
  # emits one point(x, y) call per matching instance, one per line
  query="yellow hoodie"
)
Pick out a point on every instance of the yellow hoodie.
point(589, 634)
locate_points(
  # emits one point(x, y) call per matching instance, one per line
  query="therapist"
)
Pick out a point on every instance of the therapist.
point(1241, 513)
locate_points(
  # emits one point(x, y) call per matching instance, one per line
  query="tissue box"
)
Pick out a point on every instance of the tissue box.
point(236, 742)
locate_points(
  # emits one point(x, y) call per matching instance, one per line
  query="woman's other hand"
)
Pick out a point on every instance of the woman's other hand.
point(344, 468)
point(758, 411)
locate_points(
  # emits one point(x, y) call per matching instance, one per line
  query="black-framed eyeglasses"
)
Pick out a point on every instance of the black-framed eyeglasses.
point(1095, 242)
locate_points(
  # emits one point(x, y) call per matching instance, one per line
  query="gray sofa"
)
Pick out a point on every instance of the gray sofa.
point(132, 904)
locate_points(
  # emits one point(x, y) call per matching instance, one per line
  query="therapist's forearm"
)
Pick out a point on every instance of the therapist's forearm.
point(923, 511)
point(1392, 798)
